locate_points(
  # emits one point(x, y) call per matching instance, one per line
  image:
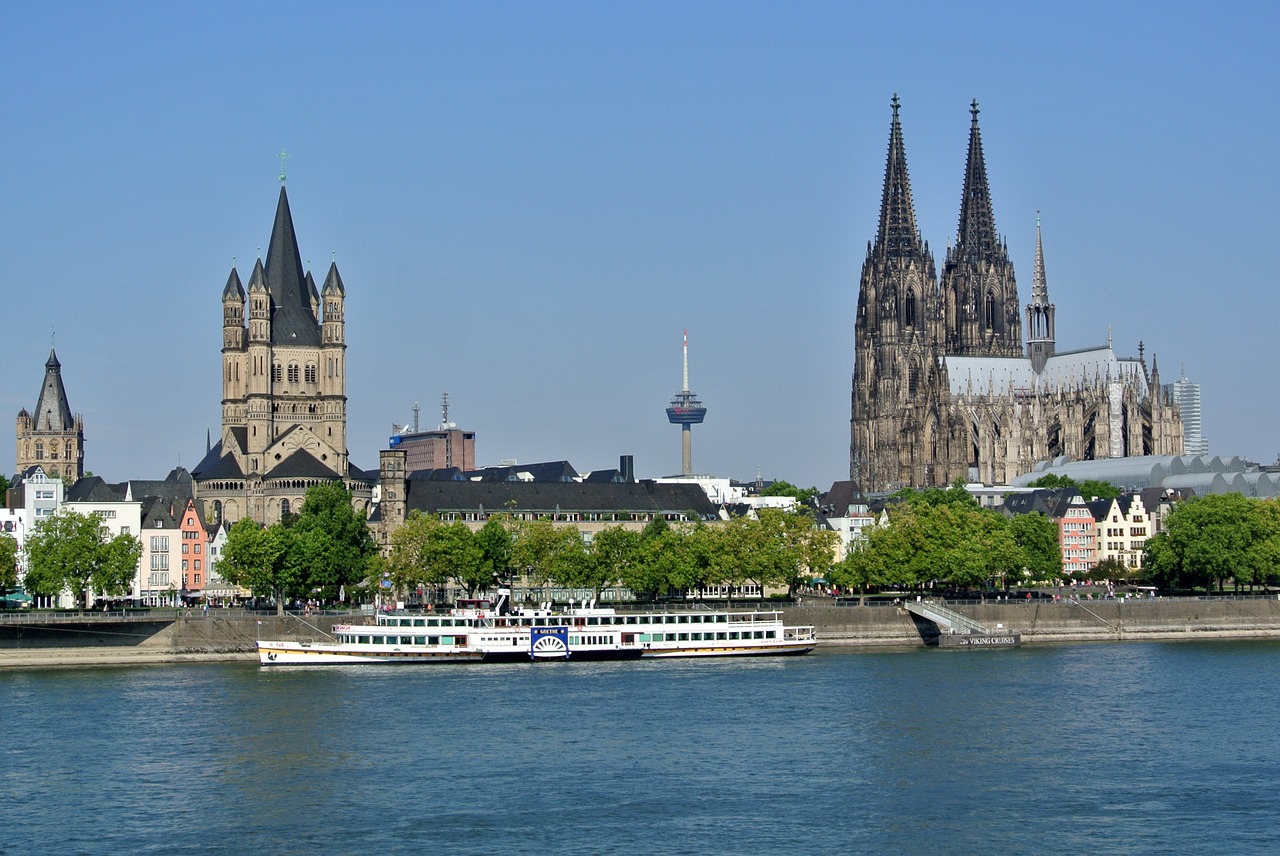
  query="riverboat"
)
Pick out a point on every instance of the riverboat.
point(480, 631)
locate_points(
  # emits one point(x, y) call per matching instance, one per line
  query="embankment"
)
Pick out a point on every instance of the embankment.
point(221, 636)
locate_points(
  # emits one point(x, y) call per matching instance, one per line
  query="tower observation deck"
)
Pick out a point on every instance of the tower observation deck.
point(686, 410)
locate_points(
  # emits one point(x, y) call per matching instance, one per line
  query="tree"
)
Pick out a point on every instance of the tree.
point(802, 496)
point(1211, 539)
point(806, 550)
point(494, 540)
point(954, 494)
point(8, 563)
point(1088, 488)
point(260, 559)
point(1037, 535)
point(416, 555)
point(332, 542)
point(547, 553)
point(614, 550)
point(76, 552)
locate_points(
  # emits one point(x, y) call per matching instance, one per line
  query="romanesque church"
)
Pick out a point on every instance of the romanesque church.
point(944, 387)
point(284, 389)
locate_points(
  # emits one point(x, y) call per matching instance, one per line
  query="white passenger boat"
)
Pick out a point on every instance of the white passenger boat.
point(478, 631)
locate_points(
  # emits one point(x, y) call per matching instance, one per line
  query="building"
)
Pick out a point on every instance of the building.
point(944, 387)
point(1186, 395)
point(446, 447)
point(284, 400)
point(52, 438)
point(844, 509)
point(1122, 527)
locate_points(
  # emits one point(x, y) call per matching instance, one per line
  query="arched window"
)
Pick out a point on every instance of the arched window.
point(293, 372)
point(909, 312)
point(276, 373)
point(989, 314)
point(311, 372)
point(284, 507)
point(913, 380)
point(217, 511)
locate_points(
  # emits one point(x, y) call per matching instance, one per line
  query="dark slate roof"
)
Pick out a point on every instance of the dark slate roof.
point(160, 512)
point(439, 474)
point(836, 502)
point(234, 290)
point(53, 413)
point(644, 496)
point(301, 465)
point(333, 282)
point(292, 321)
point(604, 477)
point(95, 489)
point(216, 465)
point(548, 471)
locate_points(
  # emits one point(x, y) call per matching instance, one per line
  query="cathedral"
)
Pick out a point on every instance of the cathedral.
point(944, 387)
point(284, 390)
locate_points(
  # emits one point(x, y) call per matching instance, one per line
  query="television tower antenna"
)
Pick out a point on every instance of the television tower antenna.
point(686, 410)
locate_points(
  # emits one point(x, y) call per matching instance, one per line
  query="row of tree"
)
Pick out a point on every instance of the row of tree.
point(1210, 540)
point(75, 553)
point(778, 549)
point(942, 536)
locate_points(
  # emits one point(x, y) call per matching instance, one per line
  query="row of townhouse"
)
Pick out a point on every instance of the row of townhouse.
point(178, 549)
point(1095, 530)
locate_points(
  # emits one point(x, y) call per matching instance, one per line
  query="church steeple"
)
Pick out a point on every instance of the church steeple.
point(292, 320)
point(52, 437)
point(982, 315)
point(1040, 312)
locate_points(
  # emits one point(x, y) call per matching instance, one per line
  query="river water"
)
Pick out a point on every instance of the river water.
point(1099, 749)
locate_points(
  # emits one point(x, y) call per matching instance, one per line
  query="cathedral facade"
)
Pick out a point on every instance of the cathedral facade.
point(284, 389)
point(944, 387)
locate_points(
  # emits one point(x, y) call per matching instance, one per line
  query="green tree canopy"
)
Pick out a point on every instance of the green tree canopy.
point(495, 542)
point(260, 559)
point(1088, 488)
point(1037, 535)
point(77, 553)
point(802, 496)
point(8, 563)
point(1211, 539)
point(331, 542)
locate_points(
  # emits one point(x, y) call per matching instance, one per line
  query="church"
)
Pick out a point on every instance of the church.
point(944, 387)
point(284, 390)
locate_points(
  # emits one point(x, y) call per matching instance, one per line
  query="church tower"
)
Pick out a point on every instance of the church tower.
point(982, 315)
point(284, 388)
point(1040, 336)
point(896, 333)
point(52, 438)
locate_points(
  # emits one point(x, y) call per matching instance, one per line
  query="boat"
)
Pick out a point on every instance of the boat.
point(490, 632)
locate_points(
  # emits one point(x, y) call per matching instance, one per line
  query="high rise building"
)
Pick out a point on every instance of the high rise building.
point(1186, 395)
point(942, 386)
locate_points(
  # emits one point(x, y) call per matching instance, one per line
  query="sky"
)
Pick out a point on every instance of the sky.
point(529, 202)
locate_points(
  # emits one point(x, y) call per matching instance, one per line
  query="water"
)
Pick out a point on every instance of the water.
point(1124, 748)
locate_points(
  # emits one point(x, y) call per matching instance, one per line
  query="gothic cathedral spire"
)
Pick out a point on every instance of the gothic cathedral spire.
point(1040, 335)
point(978, 285)
point(895, 336)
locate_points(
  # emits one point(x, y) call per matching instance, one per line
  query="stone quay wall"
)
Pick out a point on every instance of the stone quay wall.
point(231, 635)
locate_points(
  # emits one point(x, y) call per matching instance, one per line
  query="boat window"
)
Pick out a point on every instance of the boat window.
point(684, 619)
point(419, 640)
point(697, 619)
point(670, 619)
point(364, 640)
point(433, 640)
point(721, 636)
point(696, 637)
point(446, 640)
point(684, 637)
point(733, 634)
point(759, 634)
point(593, 621)
point(631, 619)
point(419, 622)
point(722, 618)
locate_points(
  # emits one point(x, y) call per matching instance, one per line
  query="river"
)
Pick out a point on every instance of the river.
point(1099, 749)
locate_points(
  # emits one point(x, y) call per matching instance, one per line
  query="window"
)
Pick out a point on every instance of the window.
point(39, 450)
point(293, 372)
point(277, 373)
point(311, 372)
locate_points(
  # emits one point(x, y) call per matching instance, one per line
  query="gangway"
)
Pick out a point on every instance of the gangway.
point(957, 630)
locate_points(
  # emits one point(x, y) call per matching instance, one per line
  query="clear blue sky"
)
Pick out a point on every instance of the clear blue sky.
point(529, 201)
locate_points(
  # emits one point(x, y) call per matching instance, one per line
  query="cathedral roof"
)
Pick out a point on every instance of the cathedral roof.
point(1001, 375)
point(53, 413)
point(301, 465)
point(292, 321)
point(217, 465)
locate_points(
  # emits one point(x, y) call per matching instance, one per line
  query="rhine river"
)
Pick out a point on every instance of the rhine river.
point(1099, 749)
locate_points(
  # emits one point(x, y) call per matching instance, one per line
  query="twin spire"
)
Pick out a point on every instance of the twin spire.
point(897, 235)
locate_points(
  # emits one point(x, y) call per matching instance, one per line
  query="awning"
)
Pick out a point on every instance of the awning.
point(17, 597)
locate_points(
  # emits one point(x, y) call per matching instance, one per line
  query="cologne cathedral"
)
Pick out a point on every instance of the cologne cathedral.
point(944, 387)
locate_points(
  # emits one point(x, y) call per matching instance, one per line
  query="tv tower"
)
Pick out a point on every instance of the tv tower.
point(686, 411)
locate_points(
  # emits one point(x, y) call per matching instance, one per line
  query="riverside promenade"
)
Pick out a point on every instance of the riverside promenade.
point(78, 639)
